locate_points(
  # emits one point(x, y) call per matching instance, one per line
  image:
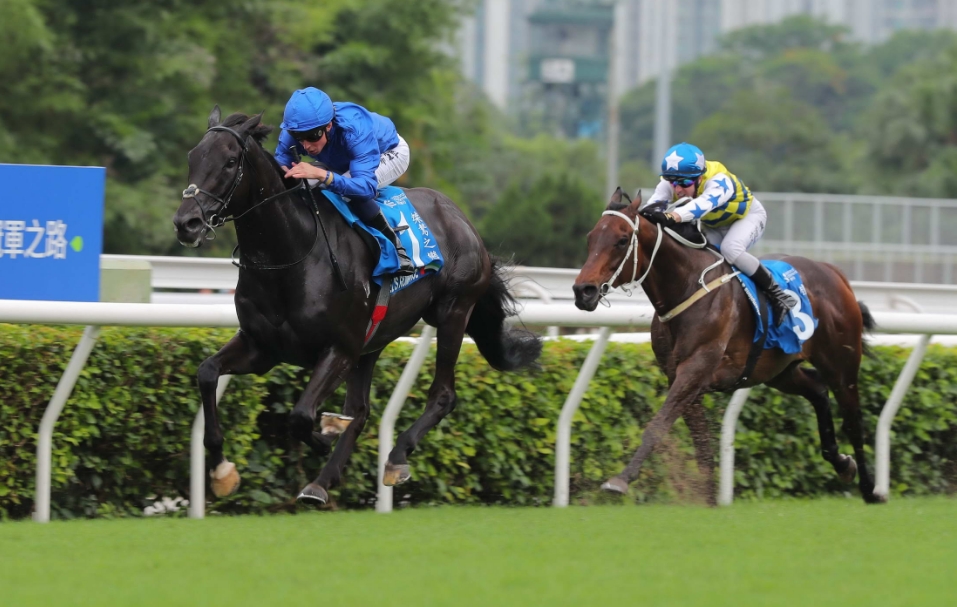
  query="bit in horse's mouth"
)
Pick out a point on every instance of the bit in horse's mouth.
point(193, 245)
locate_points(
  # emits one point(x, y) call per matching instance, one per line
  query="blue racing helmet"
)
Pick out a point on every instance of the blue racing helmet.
point(683, 160)
point(307, 109)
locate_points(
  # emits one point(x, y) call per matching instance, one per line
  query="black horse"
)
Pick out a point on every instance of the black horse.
point(305, 297)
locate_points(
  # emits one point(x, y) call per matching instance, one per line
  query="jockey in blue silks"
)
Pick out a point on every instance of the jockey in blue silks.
point(362, 149)
point(731, 218)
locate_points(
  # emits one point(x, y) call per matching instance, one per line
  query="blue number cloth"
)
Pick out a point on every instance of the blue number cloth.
point(799, 324)
point(418, 240)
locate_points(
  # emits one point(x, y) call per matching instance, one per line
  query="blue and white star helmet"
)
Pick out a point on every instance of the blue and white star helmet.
point(683, 160)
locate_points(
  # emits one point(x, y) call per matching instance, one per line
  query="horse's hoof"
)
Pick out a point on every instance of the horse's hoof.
point(313, 494)
point(874, 498)
point(334, 424)
point(615, 485)
point(395, 474)
point(850, 472)
point(224, 479)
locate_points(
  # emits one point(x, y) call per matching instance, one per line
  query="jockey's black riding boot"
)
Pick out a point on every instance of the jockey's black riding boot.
point(781, 302)
point(405, 262)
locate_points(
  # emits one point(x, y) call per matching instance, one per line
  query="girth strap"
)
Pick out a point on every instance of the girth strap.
point(378, 312)
point(758, 346)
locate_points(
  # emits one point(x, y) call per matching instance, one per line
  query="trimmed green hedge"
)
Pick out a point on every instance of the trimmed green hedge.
point(123, 438)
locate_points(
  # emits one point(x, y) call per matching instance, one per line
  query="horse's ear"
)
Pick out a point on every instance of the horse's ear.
point(251, 123)
point(637, 202)
point(616, 197)
point(214, 117)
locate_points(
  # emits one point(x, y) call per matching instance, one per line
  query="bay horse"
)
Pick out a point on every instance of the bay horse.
point(305, 296)
point(705, 348)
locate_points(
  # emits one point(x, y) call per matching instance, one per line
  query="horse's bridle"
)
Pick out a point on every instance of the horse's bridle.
point(628, 288)
point(220, 218)
point(632, 246)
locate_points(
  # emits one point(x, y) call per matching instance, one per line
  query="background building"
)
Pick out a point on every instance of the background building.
point(506, 44)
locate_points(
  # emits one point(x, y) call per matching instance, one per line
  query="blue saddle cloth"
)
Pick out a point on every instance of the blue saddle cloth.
point(417, 239)
point(800, 322)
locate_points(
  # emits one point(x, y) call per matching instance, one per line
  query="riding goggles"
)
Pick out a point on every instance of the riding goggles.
point(681, 182)
point(311, 136)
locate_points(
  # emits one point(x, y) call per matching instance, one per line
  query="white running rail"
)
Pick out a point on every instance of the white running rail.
point(94, 315)
point(194, 274)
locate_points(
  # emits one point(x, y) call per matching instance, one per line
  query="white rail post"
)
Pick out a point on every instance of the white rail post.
point(729, 426)
point(882, 451)
point(882, 442)
point(197, 456)
point(383, 501)
point(564, 433)
point(63, 390)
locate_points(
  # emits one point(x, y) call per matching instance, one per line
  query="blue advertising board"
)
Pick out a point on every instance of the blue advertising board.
point(51, 232)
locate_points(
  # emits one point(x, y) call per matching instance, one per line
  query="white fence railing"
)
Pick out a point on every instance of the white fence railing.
point(94, 315)
point(218, 277)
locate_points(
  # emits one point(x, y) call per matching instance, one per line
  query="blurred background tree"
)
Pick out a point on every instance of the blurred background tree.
point(792, 106)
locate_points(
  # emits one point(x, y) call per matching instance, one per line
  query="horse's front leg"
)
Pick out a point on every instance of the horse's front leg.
point(357, 408)
point(238, 357)
point(327, 374)
point(688, 385)
point(697, 423)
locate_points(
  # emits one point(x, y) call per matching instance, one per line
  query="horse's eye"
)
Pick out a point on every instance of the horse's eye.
point(231, 163)
point(622, 242)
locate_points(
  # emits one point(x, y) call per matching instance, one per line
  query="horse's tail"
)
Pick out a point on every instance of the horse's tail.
point(505, 347)
point(869, 325)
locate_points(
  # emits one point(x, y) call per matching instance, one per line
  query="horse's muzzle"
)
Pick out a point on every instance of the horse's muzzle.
point(586, 296)
point(190, 229)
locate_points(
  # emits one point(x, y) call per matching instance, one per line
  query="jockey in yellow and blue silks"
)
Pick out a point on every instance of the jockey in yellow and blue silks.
point(361, 148)
point(731, 218)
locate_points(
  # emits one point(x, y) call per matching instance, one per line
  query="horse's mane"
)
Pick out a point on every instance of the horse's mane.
point(259, 134)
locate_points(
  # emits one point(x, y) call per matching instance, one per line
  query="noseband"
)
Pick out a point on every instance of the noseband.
point(219, 219)
point(632, 246)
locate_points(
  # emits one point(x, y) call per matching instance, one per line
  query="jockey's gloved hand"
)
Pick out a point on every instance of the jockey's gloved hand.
point(659, 217)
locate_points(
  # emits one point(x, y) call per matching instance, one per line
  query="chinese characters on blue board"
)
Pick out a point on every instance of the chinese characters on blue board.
point(33, 239)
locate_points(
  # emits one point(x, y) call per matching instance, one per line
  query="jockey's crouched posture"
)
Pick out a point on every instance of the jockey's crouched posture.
point(731, 218)
point(361, 147)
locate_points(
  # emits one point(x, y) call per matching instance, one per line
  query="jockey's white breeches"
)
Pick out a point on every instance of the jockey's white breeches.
point(734, 240)
point(392, 164)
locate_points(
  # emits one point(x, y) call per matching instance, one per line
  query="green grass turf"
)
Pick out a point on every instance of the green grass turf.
point(825, 552)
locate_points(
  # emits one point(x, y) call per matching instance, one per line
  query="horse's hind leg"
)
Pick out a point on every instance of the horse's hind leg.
point(807, 382)
point(441, 399)
point(358, 384)
point(704, 453)
point(846, 394)
point(238, 357)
